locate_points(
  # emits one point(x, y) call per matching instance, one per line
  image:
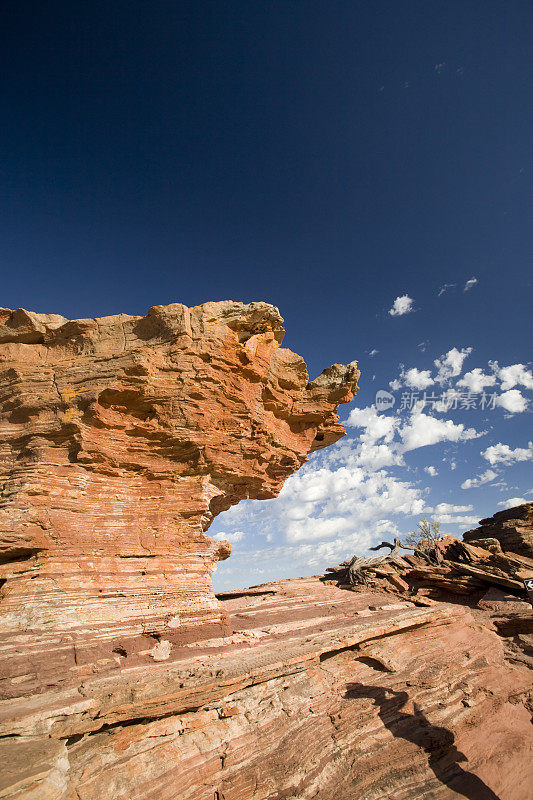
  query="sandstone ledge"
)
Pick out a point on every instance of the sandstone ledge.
point(319, 692)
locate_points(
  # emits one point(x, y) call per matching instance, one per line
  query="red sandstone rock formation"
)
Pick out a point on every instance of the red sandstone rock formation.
point(122, 437)
point(492, 555)
point(319, 693)
point(124, 677)
point(513, 528)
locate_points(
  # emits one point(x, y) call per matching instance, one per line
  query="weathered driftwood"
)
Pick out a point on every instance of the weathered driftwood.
point(453, 566)
point(355, 570)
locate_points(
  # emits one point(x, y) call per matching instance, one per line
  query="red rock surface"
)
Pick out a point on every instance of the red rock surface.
point(318, 693)
point(449, 565)
point(513, 528)
point(122, 437)
point(123, 677)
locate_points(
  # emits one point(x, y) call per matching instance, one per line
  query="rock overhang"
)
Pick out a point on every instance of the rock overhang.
point(123, 436)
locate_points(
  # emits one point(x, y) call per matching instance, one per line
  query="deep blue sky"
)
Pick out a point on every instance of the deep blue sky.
point(324, 156)
point(305, 153)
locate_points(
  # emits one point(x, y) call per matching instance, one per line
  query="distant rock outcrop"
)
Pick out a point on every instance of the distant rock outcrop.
point(513, 528)
point(488, 556)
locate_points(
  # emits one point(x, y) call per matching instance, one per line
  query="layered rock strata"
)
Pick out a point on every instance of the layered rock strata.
point(318, 693)
point(121, 438)
point(513, 528)
point(124, 677)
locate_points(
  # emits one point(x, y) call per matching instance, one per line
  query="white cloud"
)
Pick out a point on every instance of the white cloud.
point(385, 438)
point(449, 508)
point(402, 305)
point(449, 519)
point(346, 499)
point(512, 502)
point(373, 353)
point(378, 456)
point(476, 380)
point(374, 448)
point(450, 365)
point(486, 477)
point(395, 385)
point(512, 401)
point(376, 426)
point(502, 454)
point(444, 288)
point(469, 284)
point(423, 430)
point(422, 346)
point(232, 538)
point(513, 375)
point(313, 528)
point(418, 379)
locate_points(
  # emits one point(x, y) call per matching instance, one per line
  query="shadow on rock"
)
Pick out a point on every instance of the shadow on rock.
point(437, 742)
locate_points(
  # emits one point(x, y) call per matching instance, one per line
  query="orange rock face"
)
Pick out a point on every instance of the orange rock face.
point(121, 439)
point(123, 677)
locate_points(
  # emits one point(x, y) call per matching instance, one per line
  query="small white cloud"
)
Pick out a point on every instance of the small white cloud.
point(376, 426)
point(486, 477)
point(453, 465)
point(512, 401)
point(431, 471)
point(502, 454)
point(469, 284)
point(402, 305)
point(395, 385)
point(513, 375)
point(512, 502)
point(450, 519)
point(418, 379)
point(448, 508)
point(232, 538)
point(444, 288)
point(450, 365)
point(476, 380)
point(422, 346)
point(423, 430)
point(373, 353)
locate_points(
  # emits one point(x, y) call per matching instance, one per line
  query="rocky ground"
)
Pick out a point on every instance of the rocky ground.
point(319, 692)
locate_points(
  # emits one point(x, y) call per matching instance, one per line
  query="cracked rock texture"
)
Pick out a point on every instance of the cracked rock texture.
point(318, 693)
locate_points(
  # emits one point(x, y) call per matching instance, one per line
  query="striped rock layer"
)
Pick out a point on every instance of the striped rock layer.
point(318, 694)
point(120, 440)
